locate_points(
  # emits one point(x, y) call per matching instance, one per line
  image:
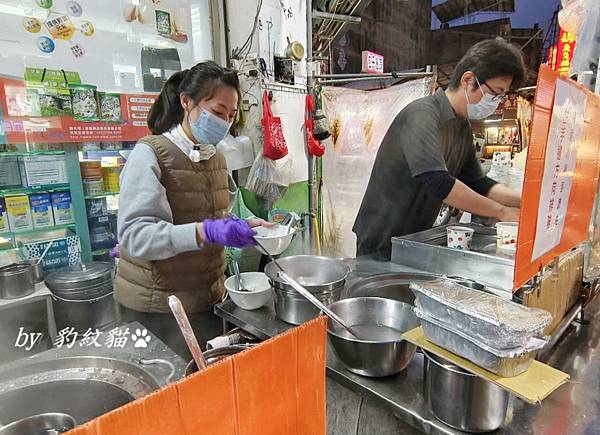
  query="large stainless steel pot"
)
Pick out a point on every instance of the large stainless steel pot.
point(41, 424)
point(98, 313)
point(382, 321)
point(316, 274)
point(461, 399)
point(322, 276)
point(83, 296)
point(215, 355)
point(16, 281)
point(292, 307)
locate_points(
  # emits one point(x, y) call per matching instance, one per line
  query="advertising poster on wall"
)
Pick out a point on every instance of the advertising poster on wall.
point(566, 129)
point(118, 45)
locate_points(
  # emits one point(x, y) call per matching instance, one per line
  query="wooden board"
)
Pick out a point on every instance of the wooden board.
point(533, 386)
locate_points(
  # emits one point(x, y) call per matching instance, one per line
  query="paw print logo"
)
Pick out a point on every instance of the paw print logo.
point(140, 339)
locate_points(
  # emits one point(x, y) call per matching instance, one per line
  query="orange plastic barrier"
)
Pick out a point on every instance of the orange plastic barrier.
point(275, 388)
point(585, 179)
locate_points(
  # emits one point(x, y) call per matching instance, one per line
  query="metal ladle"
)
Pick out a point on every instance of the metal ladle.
point(241, 287)
point(187, 331)
point(308, 295)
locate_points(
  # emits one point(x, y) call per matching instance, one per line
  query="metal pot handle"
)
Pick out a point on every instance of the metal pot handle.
point(146, 362)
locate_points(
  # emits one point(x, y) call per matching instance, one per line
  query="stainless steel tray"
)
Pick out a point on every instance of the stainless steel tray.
point(427, 251)
point(505, 363)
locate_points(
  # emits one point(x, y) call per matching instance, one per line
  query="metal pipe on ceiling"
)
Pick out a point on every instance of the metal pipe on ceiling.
point(394, 75)
point(317, 15)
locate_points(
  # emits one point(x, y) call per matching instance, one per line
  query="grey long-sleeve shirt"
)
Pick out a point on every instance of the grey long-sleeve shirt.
point(145, 220)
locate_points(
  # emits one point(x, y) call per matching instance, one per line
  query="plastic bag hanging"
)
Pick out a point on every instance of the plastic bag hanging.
point(321, 123)
point(274, 146)
point(315, 147)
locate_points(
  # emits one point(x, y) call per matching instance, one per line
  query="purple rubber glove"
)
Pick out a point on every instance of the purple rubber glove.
point(235, 233)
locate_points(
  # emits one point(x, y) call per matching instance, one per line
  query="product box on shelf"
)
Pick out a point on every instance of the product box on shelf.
point(103, 231)
point(43, 170)
point(65, 251)
point(62, 206)
point(19, 213)
point(4, 227)
point(41, 210)
point(96, 207)
point(10, 176)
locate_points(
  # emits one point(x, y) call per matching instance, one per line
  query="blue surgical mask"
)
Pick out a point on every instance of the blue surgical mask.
point(486, 106)
point(209, 128)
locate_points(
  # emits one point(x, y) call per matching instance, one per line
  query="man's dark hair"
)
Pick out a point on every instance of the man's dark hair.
point(490, 59)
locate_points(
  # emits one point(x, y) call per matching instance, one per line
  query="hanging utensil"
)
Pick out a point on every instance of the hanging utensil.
point(269, 256)
point(45, 251)
point(241, 287)
point(308, 295)
point(187, 331)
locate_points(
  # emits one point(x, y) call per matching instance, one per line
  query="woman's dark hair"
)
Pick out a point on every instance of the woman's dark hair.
point(199, 82)
point(490, 59)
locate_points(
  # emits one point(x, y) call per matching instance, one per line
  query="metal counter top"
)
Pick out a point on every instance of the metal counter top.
point(574, 408)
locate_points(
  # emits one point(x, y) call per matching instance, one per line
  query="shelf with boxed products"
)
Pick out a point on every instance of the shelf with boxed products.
point(32, 190)
point(4, 154)
point(38, 231)
point(101, 195)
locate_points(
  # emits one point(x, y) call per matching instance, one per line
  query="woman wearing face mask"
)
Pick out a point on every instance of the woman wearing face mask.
point(173, 205)
point(427, 156)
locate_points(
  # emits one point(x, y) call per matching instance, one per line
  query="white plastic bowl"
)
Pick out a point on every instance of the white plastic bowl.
point(260, 290)
point(274, 240)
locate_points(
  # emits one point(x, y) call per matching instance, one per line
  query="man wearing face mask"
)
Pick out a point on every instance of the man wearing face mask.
point(427, 156)
point(173, 218)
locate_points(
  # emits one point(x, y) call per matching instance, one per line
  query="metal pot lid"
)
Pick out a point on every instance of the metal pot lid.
point(76, 277)
point(15, 269)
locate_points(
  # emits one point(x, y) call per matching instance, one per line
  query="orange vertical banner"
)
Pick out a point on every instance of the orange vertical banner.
point(584, 178)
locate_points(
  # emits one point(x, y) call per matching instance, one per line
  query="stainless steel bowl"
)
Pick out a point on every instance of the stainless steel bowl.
point(215, 355)
point(292, 307)
point(461, 399)
point(41, 424)
point(316, 274)
point(386, 354)
point(16, 281)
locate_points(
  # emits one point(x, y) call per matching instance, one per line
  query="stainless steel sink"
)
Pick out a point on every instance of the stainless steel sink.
point(84, 382)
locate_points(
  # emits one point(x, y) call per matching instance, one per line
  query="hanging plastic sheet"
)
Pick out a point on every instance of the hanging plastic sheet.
point(359, 121)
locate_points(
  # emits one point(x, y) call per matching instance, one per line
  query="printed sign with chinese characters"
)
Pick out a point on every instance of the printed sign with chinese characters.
point(60, 27)
point(564, 52)
point(566, 130)
point(372, 62)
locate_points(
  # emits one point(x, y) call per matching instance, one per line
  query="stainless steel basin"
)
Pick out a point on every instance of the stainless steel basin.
point(85, 382)
point(387, 285)
point(83, 387)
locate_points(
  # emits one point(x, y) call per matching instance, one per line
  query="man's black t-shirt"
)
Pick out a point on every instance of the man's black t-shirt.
point(426, 137)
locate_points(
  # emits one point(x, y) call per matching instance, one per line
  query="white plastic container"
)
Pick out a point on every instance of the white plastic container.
point(507, 233)
point(459, 237)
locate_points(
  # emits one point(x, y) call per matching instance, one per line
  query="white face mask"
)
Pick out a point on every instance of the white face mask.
point(486, 106)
